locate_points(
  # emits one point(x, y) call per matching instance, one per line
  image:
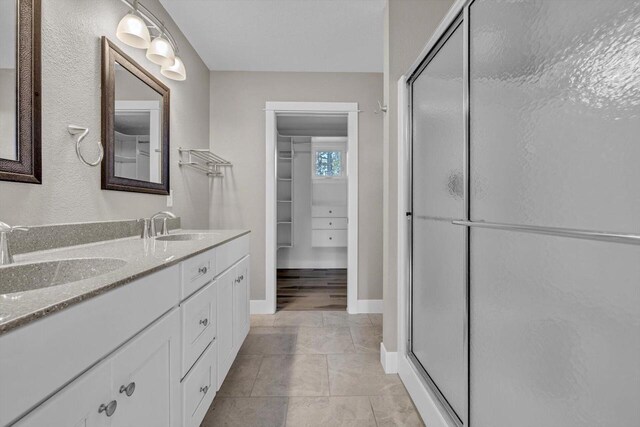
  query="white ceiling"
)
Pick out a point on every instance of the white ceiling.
point(284, 35)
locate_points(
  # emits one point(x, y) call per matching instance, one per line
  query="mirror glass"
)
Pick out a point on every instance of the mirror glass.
point(8, 101)
point(137, 128)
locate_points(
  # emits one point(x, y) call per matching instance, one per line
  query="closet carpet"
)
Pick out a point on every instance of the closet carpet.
point(312, 289)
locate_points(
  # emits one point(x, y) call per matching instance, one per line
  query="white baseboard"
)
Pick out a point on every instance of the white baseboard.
point(259, 306)
point(431, 410)
point(389, 360)
point(369, 306)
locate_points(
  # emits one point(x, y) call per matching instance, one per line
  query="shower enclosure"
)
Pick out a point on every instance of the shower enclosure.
point(524, 261)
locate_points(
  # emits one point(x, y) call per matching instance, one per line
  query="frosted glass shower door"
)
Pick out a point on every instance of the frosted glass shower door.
point(438, 247)
point(554, 144)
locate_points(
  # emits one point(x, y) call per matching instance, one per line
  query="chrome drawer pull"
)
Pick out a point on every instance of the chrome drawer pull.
point(128, 389)
point(242, 278)
point(203, 270)
point(204, 389)
point(204, 322)
point(109, 408)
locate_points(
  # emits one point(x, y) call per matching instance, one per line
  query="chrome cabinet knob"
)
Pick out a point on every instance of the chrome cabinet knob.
point(242, 277)
point(109, 408)
point(204, 322)
point(128, 389)
point(203, 270)
point(204, 389)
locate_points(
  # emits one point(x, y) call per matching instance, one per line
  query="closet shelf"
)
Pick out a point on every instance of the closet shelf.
point(285, 201)
point(285, 179)
point(203, 160)
point(285, 222)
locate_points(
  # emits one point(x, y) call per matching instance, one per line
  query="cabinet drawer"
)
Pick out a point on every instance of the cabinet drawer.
point(199, 388)
point(329, 238)
point(329, 223)
point(198, 324)
point(231, 252)
point(197, 271)
point(328, 211)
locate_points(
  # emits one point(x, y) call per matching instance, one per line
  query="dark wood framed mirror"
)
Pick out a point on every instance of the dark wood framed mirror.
point(135, 125)
point(20, 105)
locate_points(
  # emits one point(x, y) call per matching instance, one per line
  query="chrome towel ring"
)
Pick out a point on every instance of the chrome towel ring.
point(82, 131)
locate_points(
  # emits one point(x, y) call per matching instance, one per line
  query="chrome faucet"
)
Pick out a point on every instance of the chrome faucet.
point(6, 257)
point(165, 229)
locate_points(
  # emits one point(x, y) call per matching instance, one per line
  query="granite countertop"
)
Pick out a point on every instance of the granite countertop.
point(142, 258)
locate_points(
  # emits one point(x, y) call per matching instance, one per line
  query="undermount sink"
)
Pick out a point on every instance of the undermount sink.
point(38, 275)
point(183, 237)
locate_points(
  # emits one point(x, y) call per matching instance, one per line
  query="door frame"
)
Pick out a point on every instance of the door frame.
point(272, 109)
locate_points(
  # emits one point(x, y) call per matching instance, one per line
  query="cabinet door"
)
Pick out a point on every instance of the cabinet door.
point(78, 404)
point(241, 303)
point(224, 315)
point(146, 376)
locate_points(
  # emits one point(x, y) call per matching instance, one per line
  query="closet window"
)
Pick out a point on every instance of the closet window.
point(328, 163)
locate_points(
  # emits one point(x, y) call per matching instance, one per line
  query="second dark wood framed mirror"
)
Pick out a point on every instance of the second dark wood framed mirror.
point(135, 125)
point(20, 104)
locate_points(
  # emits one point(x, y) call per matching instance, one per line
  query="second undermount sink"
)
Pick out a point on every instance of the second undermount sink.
point(183, 237)
point(38, 275)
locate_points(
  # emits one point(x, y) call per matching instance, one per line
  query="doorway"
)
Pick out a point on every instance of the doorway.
point(311, 180)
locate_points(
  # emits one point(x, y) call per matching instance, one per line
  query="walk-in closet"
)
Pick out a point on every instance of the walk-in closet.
point(312, 189)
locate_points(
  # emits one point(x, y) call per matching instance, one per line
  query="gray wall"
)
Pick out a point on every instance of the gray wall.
point(70, 192)
point(408, 26)
point(238, 134)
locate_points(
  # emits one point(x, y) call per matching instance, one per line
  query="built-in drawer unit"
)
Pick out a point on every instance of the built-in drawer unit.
point(197, 271)
point(318, 211)
point(198, 324)
point(329, 238)
point(199, 388)
point(329, 223)
point(231, 253)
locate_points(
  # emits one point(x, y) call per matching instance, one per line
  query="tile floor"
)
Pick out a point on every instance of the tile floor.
point(312, 368)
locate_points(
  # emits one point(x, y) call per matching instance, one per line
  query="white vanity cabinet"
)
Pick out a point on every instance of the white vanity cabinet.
point(233, 318)
point(135, 386)
point(144, 354)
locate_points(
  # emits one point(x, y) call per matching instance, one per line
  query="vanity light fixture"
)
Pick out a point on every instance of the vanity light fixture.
point(161, 52)
point(134, 30)
point(176, 71)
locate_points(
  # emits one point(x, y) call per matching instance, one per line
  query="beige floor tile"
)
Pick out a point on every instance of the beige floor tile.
point(340, 318)
point(268, 340)
point(241, 376)
point(343, 411)
point(246, 411)
point(299, 318)
point(391, 411)
point(366, 339)
point(262, 319)
point(326, 340)
point(376, 318)
point(292, 375)
point(360, 374)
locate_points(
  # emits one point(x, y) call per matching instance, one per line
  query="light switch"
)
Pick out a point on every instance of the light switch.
point(170, 199)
